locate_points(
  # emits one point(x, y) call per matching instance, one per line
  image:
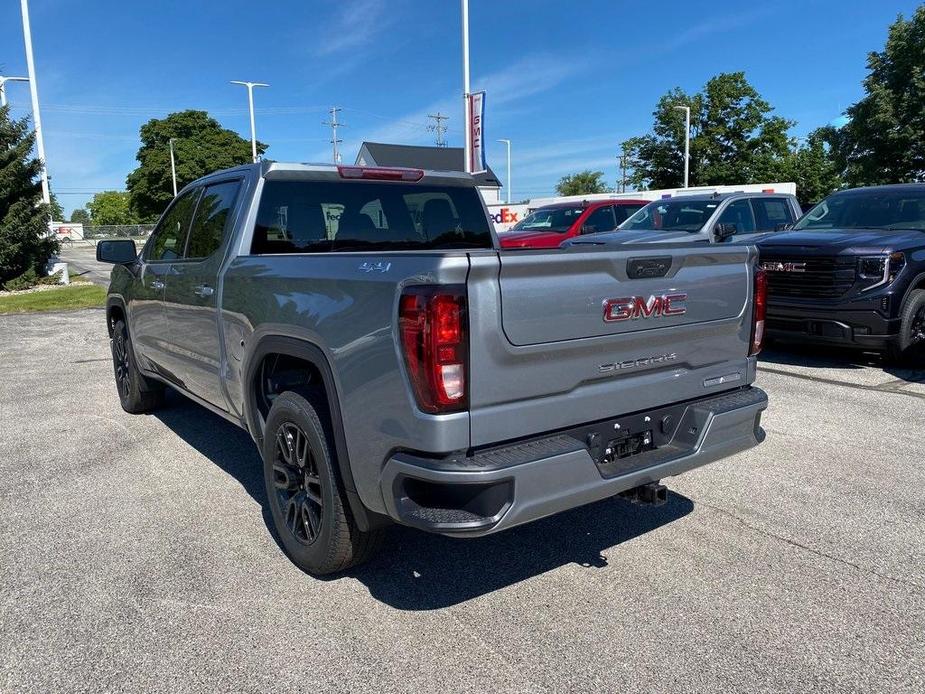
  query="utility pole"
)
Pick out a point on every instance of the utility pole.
point(508, 143)
point(622, 159)
point(438, 128)
point(250, 102)
point(687, 142)
point(467, 149)
point(334, 126)
point(3, 81)
point(173, 167)
point(36, 116)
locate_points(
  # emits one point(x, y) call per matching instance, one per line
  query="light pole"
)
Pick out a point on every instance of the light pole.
point(508, 143)
point(687, 142)
point(173, 166)
point(467, 115)
point(3, 81)
point(36, 116)
point(250, 102)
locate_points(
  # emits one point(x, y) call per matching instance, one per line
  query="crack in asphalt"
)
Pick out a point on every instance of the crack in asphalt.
point(888, 387)
point(812, 550)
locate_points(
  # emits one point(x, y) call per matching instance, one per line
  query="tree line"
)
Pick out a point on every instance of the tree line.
point(736, 137)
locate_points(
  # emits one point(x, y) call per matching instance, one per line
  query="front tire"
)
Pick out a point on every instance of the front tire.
point(911, 339)
point(307, 498)
point(137, 394)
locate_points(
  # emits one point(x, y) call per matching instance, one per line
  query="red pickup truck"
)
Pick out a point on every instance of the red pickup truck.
point(549, 226)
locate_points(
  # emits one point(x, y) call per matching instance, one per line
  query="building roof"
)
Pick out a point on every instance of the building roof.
point(412, 156)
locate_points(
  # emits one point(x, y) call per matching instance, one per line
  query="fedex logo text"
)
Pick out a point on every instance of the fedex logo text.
point(633, 307)
point(505, 216)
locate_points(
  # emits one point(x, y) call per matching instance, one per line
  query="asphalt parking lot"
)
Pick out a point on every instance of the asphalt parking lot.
point(136, 555)
point(81, 260)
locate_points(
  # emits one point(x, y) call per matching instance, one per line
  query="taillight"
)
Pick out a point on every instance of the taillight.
point(760, 310)
point(432, 323)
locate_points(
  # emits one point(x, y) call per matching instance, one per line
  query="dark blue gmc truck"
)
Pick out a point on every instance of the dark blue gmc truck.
point(852, 272)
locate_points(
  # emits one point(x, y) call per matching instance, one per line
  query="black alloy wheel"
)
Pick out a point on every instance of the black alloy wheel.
point(917, 327)
point(298, 484)
point(307, 499)
point(121, 363)
point(137, 394)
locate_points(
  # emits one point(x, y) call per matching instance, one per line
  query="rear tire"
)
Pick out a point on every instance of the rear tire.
point(307, 498)
point(910, 344)
point(137, 394)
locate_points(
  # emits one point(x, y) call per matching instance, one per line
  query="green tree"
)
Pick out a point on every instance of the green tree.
point(735, 138)
point(582, 183)
point(201, 146)
point(24, 240)
point(884, 138)
point(54, 207)
point(80, 216)
point(813, 168)
point(111, 207)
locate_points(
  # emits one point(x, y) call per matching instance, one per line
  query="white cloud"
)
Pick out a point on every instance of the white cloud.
point(355, 24)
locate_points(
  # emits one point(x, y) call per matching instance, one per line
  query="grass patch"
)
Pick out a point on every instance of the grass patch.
point(66, 298)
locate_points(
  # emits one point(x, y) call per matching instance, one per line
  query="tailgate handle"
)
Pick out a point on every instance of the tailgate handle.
point(639, 268)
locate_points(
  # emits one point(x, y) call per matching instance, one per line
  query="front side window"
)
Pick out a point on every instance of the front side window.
point(321, 216)
point(557, 219)
point(169, 238)
point(869, 209)
point(739, 213)
point(676, 214)
point(599, 220)
point(212, 219)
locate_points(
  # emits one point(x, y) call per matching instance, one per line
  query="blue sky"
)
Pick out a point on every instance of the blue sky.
point(566, 81)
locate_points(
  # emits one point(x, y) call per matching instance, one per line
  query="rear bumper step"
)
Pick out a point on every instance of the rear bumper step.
point(506, 486)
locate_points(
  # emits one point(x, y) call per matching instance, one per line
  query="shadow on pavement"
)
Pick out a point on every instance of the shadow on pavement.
point(419, 571)
point(826, 357)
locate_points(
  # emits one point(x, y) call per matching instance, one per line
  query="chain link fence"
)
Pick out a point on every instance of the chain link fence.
point(117, 231)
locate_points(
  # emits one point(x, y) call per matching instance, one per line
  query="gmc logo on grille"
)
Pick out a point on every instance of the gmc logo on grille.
point(783, 267)
point(632, 307)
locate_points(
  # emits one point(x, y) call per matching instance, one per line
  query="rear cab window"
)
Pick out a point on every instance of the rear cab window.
point(312, 216)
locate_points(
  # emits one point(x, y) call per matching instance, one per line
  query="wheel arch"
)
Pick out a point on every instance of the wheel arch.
point(115, 310)
point(274, 346)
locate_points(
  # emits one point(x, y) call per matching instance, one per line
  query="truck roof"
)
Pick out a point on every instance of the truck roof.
point(591, 203)
point(721, 196)
point(320, 171)
point(908, 187)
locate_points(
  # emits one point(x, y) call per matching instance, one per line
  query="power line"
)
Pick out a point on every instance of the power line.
point(438, 128)
point(334, 126)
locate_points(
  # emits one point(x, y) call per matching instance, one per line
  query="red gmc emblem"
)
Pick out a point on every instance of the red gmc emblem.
point(633, 307)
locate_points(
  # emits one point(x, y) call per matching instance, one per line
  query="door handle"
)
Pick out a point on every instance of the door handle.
point(157, 284)
point(203, 290)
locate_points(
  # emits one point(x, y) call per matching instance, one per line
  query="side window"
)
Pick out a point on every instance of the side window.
point(740, 214)
point(624, 212)
point(169, 237)
point(211, 221)
point(770, 213)
point(599, 220)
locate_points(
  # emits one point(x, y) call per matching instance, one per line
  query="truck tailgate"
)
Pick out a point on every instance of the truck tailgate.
point(563, 338)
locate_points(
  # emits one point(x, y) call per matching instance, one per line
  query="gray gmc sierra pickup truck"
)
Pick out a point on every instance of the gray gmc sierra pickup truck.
point(392, 364)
